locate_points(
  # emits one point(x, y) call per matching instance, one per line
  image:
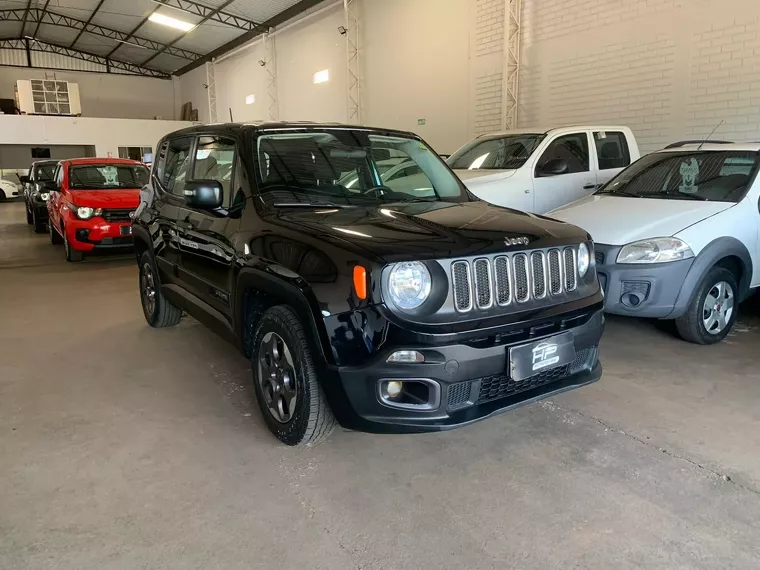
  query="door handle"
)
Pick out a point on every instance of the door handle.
point(589, 186)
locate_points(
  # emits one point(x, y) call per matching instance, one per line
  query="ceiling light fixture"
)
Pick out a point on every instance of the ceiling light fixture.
point(171, 22)
point(250, 99)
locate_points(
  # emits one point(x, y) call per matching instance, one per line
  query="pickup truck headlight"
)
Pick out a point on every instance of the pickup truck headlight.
point(44, 196)
point(655, 250)
point(409, 284)
point(584, 260)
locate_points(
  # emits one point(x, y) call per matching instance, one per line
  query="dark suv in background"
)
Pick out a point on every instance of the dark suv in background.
point(389, 305)
point(36, 194)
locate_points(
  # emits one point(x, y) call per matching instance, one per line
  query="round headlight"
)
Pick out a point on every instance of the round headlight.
point(44, 196)
point(409, 284)
point(584, 260)
point(84, 213)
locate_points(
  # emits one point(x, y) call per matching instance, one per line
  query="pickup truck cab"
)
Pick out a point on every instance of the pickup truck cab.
point(37, 192)
point(396, 304)
point(537, 170)
point(677, 236)
point(92, 202)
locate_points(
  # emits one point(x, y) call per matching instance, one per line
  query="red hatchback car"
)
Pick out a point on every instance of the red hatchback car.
point(92, 202)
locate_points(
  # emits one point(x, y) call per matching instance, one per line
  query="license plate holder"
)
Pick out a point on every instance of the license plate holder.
point(533, 358)
point(126, 230)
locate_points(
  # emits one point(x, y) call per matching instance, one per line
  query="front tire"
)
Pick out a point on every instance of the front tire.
point(29, 216)
point(712, 310)
point(158, 311)
point(55, 237)
point(72, 256)
point(39, 225)
point(291, 400)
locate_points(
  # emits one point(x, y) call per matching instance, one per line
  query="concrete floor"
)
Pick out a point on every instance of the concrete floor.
point(127, 447)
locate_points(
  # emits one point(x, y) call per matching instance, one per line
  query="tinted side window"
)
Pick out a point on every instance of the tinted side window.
point(214, 160)
point(573, 149)
point(611, 149)
point(174, 172)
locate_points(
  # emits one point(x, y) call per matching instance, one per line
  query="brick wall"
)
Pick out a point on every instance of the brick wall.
point(488, 103)
point(489, 26)
point(670, 69)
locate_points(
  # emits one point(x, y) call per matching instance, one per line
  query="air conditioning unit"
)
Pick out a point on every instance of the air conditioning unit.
point(47, 97)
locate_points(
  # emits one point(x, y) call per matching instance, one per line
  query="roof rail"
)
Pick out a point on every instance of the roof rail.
point(706, 141)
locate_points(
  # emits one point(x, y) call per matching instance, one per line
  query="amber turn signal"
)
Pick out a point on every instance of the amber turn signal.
point(360, 281)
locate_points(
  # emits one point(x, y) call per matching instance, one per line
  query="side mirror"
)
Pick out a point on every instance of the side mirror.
point(24, 180)
point(48, 186)
point(553, 167)
point(204, 194)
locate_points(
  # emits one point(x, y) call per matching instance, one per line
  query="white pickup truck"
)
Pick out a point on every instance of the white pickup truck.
point(537, 170)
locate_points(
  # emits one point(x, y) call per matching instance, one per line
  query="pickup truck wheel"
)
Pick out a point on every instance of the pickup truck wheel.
point(712, 310)
point(55, 237)
point(39, 225)
point(29, 218)
point(72, 256)
point(285, 379)
point(158, 311)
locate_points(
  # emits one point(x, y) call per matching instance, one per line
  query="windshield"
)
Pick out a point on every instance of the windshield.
point(45, 172)
point(721, 176)
point(352, 167)
point(107, 176)
point(495, 153)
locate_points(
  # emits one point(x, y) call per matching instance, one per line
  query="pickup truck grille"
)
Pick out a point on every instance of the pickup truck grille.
point(514, 278)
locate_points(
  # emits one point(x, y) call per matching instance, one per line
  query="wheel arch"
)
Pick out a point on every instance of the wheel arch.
point(727, 252)
point(142, 241)
point(257, 290)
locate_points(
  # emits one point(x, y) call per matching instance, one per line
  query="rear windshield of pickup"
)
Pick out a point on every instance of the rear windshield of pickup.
point(713, 176)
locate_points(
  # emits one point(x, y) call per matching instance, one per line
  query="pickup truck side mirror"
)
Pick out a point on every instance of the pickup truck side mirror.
point(204, 194)
point(48, 186)
point(553, 167)
point(24, 180)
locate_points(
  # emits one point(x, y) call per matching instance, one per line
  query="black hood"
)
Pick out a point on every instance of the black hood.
point(428, 230)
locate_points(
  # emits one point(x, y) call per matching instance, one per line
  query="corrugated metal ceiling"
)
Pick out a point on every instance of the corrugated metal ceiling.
point(125, 15)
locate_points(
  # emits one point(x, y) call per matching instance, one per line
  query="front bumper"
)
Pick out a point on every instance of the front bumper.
point(474, 383)
point(98, 234)
point(642, 290)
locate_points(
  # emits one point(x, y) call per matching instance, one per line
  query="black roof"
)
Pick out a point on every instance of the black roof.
point(281, 125)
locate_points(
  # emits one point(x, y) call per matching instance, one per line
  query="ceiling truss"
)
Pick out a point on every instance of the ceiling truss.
point(217, 15)
point(52, 19)
point(110, 65)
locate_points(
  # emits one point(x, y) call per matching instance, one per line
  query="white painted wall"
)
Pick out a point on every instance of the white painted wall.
point(106, 135)
point(105, 95)
point(193, 90)
point(302, 50)
point(669, 69)
point(237, 77)
point(415, 64)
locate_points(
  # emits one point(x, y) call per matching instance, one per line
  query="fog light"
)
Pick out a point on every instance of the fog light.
point(406, 356)
point(393, 389)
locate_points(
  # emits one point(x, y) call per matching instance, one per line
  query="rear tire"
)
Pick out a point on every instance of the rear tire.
point(158, 311)
point(29, 216)
point(39, 225)
point(55, 237)
point(721, 287)
point(72, 256)
point(2, 196)
point(291, 400)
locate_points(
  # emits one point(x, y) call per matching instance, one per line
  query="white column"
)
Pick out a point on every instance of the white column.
point(512, 10)
point(270, 66)
point(352, 60)
point(211, 92)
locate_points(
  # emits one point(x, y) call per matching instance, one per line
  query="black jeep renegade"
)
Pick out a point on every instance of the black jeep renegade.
point(364, 281)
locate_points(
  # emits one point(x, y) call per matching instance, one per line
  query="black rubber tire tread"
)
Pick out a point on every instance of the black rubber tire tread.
point(39, 225)
point(690, 326)
point(313, 420)
point(166, 315)
point(55, 237)
point(2, 196)
point(29, 218)
point(72, 256)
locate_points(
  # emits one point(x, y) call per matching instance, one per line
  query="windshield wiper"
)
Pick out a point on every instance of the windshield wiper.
point(312, 205)
point(620, 193)
point(679, 196)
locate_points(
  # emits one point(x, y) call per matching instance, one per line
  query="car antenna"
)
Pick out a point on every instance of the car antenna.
point(710, 135)
point(231, 121)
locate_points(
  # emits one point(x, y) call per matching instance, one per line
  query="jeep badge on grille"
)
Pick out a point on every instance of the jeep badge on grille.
point(516, 241)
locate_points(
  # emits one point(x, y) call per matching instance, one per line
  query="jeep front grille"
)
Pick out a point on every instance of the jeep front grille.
point(519, 277)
